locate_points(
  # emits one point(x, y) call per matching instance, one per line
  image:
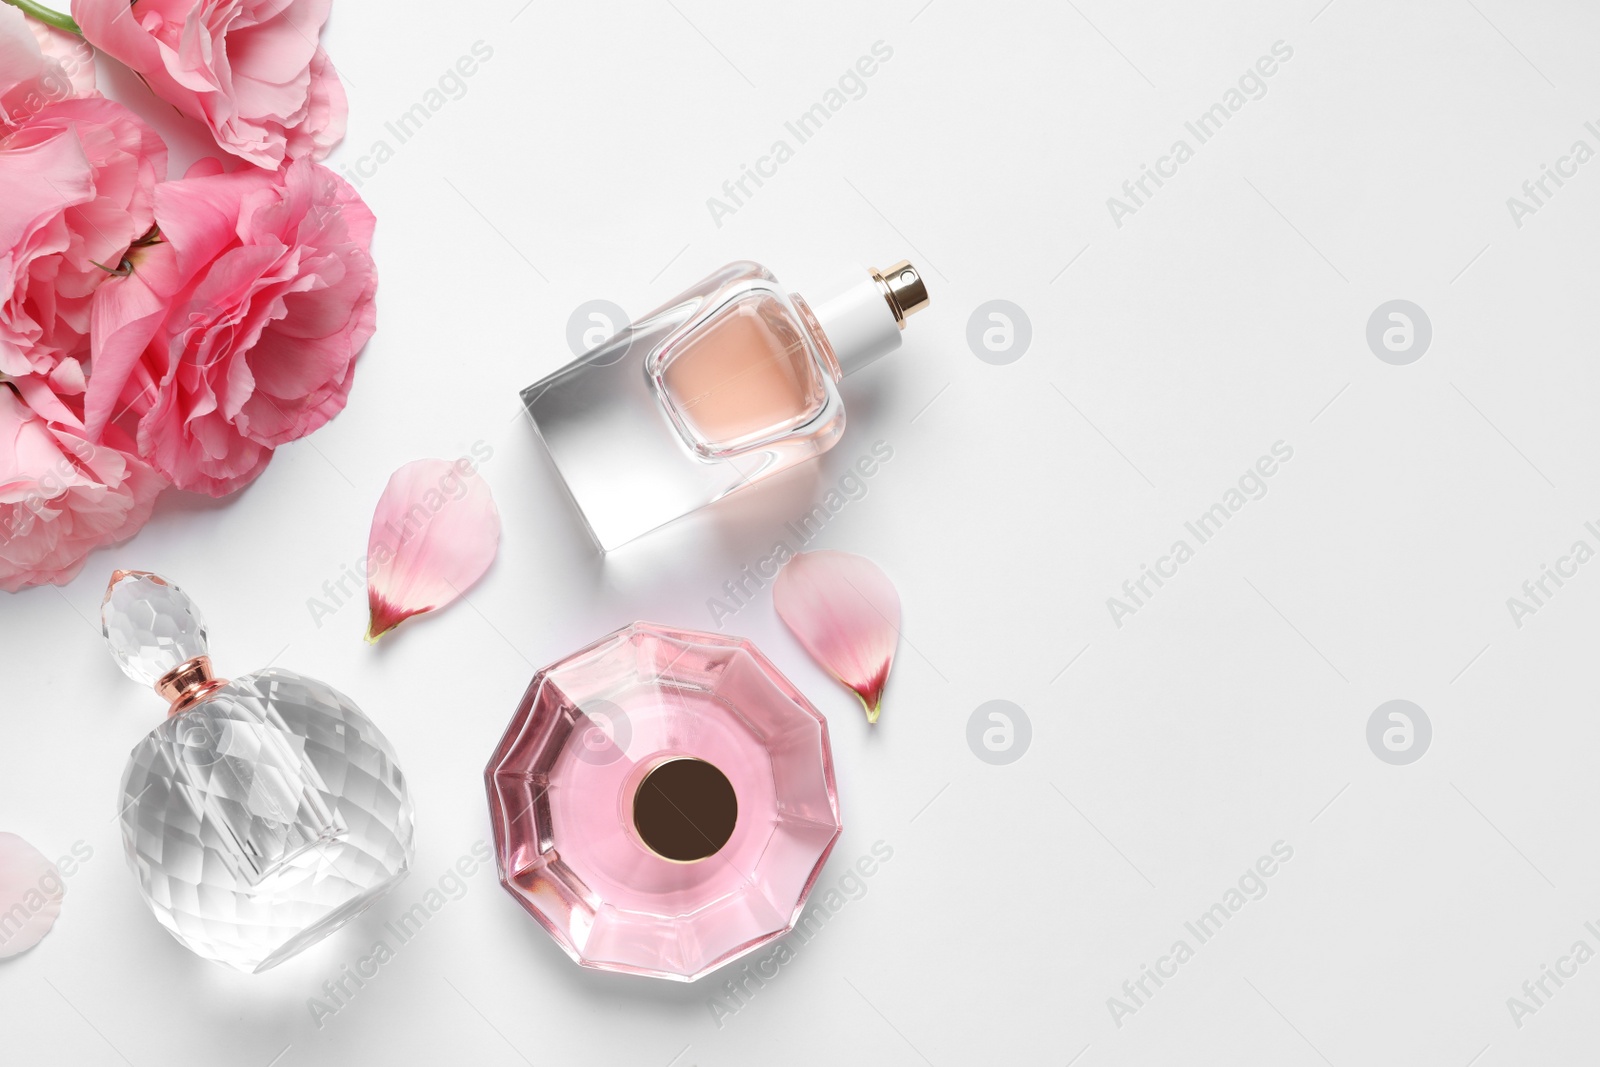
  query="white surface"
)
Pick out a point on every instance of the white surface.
point(1228, 313)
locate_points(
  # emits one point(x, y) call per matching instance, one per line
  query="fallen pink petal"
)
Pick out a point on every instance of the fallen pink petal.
point(846, 613)
point(31, 890)
point(435, 532)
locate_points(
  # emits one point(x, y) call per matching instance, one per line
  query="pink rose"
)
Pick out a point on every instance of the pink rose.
point(62, 497)
point(251, 70)
point(238, 332)
point(39, 65)
point(76, 181)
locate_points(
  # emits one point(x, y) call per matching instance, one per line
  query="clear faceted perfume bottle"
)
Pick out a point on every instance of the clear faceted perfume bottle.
point(265, 811)
point(728, 383)
point(663, 801)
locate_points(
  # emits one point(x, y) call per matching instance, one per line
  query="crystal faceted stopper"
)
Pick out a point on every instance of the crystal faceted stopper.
point(151, 626)
point(663, 801)
point(264, 812)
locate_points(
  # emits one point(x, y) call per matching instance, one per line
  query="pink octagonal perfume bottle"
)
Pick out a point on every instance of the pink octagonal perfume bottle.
point(663, 801)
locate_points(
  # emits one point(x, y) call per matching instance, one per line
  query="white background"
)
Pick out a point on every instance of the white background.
point(1229, 713)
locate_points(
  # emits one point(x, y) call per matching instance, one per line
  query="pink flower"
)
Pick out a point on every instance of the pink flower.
point(76, 181)
point(238, 331)
point(62, 497)
point(251, 70)
point(39, 65)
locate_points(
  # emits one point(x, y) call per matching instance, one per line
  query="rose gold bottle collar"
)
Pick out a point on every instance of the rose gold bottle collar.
point(188, 683)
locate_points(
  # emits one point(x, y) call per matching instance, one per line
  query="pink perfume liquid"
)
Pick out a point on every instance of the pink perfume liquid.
point(748, 374)
point(663, 801)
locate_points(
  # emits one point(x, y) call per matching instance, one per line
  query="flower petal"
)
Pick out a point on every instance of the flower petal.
point(75, 55)
point(251, 70)
point(30, 895)
point(62, 496)
point(435, 532)
point(846, 613)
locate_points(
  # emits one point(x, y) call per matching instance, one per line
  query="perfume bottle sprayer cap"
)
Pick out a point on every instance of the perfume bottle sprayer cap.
point(863, 310)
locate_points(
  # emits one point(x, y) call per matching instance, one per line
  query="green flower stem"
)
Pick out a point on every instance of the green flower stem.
point(46, 15)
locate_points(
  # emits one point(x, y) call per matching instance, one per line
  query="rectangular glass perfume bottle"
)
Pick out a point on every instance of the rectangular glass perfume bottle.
point(726, 384)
